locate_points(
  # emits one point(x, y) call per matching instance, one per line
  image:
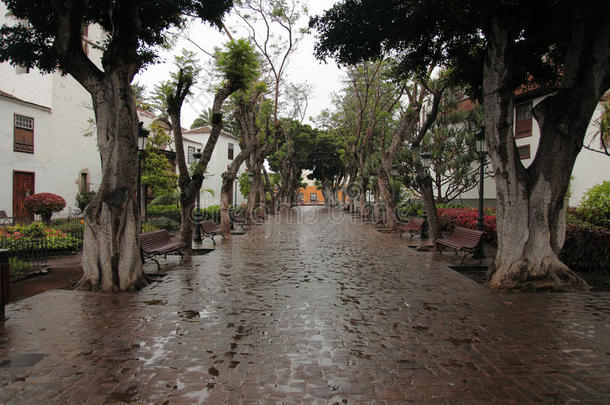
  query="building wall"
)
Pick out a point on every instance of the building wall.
point(590, 168)
point(61, 149)
point(307, 193)
point(216, 167)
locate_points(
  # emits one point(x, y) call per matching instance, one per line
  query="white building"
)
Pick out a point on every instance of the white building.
point(44, 120)
point(227, 147)
point(590, 168)
point(48, 135)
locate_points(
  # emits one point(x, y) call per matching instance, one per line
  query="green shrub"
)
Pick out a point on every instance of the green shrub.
point(172, 212)
point(155, 224)
point(83, 199)
point(166, 211)
point(25, 237)
point(587, 247)
point(212, 212)
point(595, 205)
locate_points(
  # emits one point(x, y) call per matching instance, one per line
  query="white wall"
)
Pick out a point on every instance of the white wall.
point(217, 165)
point(590, 168)
point(61, 151)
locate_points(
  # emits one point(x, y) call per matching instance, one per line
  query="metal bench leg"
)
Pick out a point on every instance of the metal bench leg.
point(155, 260)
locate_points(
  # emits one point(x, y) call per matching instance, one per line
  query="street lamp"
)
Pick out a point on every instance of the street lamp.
point(481, 147)
point(394, 173)
point(142, 141)
point(197, 216)
point(426, 161)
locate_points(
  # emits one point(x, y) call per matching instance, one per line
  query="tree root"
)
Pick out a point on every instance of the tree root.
point(85, 284)
point(548, 275)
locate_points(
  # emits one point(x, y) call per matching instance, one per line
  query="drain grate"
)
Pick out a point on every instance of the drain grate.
point(23, 360)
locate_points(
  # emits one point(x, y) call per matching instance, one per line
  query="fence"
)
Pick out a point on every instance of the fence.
point(35, 251)
point(5, 282)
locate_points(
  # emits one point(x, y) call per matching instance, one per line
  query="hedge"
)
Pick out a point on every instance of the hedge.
point(173, 212)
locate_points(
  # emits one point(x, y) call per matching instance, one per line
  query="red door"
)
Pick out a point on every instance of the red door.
point(23, 186)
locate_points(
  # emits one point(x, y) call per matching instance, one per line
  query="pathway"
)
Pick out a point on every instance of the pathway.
point(307, 309)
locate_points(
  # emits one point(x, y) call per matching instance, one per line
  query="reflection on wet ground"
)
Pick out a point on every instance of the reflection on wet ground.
point(309, 307)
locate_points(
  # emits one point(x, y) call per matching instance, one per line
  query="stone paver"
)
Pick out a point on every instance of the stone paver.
point(307, 308)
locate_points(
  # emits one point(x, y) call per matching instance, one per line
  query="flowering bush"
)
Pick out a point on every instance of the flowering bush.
point(467, 218)
point(20, 237)
point(586, 248)
point(44, 204)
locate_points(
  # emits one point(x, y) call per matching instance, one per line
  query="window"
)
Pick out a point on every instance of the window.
point(22, 70)
point(524, 151)
point(301, 197)
point(84, 182)
point(24, 134)
point(231, 151)
point(313, 197)
point(191, 155)
point(523, 120)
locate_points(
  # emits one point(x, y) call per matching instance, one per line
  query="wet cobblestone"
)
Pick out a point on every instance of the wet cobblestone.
point(308, 308)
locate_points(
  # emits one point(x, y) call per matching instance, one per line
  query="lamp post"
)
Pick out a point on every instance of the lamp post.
point(426, 161)
point(197, 216)
point(481, 147)
point(142, 140)
point(394, 173)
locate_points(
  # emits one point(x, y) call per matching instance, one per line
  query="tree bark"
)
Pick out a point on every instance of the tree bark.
point(111, 250)
point(531, 212)
point(190, 186)
point(228, 179)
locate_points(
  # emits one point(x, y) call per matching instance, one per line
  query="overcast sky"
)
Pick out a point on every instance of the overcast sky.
point(303, 67)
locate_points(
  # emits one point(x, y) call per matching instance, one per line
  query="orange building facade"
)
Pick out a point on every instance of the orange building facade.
point(311, 195)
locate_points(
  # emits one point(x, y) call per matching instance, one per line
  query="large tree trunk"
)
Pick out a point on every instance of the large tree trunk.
point(190, 186)
point(388, 199)
point(364, 184)
point(228, 179)
point(424, 182)
point(531, 212)
point(111, 249)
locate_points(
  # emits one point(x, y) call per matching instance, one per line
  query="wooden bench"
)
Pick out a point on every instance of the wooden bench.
point(463, 239)
point(240, 222)
point(413, 226)
point(158, 243)
point(209, 229)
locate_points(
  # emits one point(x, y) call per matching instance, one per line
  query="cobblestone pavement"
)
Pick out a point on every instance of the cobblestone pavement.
point(307, 309)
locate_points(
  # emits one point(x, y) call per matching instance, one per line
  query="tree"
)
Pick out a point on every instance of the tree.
point(450, 142)
point(157, 171)
point(273, 29)
point(143, 101)
point(205, 118)
point(497, 48)
point(327, 166)
point(291, 157)
point(229, 124)
point(237, 66)
point(53, 41)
